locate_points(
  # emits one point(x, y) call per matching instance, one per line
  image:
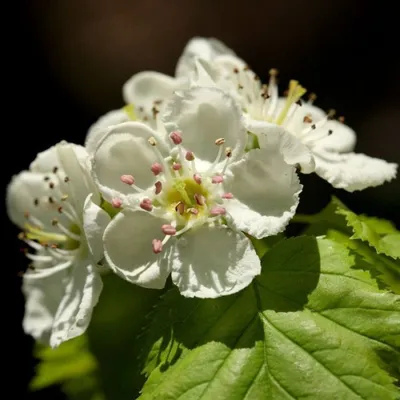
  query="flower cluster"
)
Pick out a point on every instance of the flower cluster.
point(177, 183)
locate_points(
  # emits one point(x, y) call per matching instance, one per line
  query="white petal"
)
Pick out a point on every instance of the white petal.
point(204, 115)
point(75, 310)
point(95, 221)
point(125, 150)
point(42, 299)
point(98, 129)
point(214, 261)
point(266, 193)
point(144, 88)
point(229, 62)
point(342, 139)
point(80, 183)
point(274, 136)
point(206, 48)
point(22, 191)
point(353, 171)
point(48, 159)
point(128, 248)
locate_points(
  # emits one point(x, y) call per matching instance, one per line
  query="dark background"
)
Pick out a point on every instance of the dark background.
point(67, 60)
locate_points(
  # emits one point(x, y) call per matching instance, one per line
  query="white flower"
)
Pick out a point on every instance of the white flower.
point(55, 204)
point(187, 197)
point(146, 93)
point(330, 142)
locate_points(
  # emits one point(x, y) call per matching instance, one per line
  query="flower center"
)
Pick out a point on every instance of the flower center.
point(182, 195)
point(57, 238)
point(262, 103)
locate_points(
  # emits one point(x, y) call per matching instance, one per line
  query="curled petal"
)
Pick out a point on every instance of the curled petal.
point(128, 243)
point(199, 47)
point(204, 115)
point(75, 310)
point(95, 220)
point(265, 193)
point(353, 171)
point(145, 88)
point(125, 150)
point(293, 150)
point(213, 261)
point(99, 128)
point(42, 299)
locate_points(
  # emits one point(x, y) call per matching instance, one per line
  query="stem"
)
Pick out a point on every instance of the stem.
point(304, 219)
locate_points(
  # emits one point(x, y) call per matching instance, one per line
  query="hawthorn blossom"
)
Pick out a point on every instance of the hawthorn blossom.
point(146, 93)
point(188, 198)
point(55, 203)
point(330, 142)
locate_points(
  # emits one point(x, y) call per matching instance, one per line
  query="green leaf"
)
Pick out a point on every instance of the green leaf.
point(378, 233)
point(338, 223)
point(116, 322)
point(72, 366)
point(70, 360)
point(311, 326)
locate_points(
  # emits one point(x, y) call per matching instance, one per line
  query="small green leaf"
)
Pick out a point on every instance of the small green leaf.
point(301, 330)
point(378, 233)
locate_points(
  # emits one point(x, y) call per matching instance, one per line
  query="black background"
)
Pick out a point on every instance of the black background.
point(65, 62)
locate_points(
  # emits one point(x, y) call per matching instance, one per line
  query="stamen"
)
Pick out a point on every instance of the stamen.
point(168, 230)
point(217, 179)
point(217, 210)
point(116, 202)
point(176, 166)
point(152, 141)
point(189, 156)
point(157, 246)
point(176, 137)
point(227, 196)
point(55, 169)
point(307, 119)
point(295, 92)
point(66, 179)
point(130, 180)
point(197, 178)
point(156, 168)
point(127, 179)
point(180, 208)
point(51, 185)
point(64, 230)
point(200, 199)
point(64, 197)
point(228, 152)
point(36, 257)
point(193, 210)
point(220, 141)
point(158, 186)
point(146, 204)
point(311, 98)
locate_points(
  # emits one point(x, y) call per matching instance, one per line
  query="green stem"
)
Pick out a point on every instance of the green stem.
point(304, 219)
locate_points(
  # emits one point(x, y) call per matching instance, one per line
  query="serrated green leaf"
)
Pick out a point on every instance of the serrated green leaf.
point(332, 222)
point(378, 233)
point(311, 326)
point(117, 320)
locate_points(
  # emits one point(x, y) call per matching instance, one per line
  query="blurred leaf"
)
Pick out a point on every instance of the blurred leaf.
point(117, 320)
point(70, 360)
